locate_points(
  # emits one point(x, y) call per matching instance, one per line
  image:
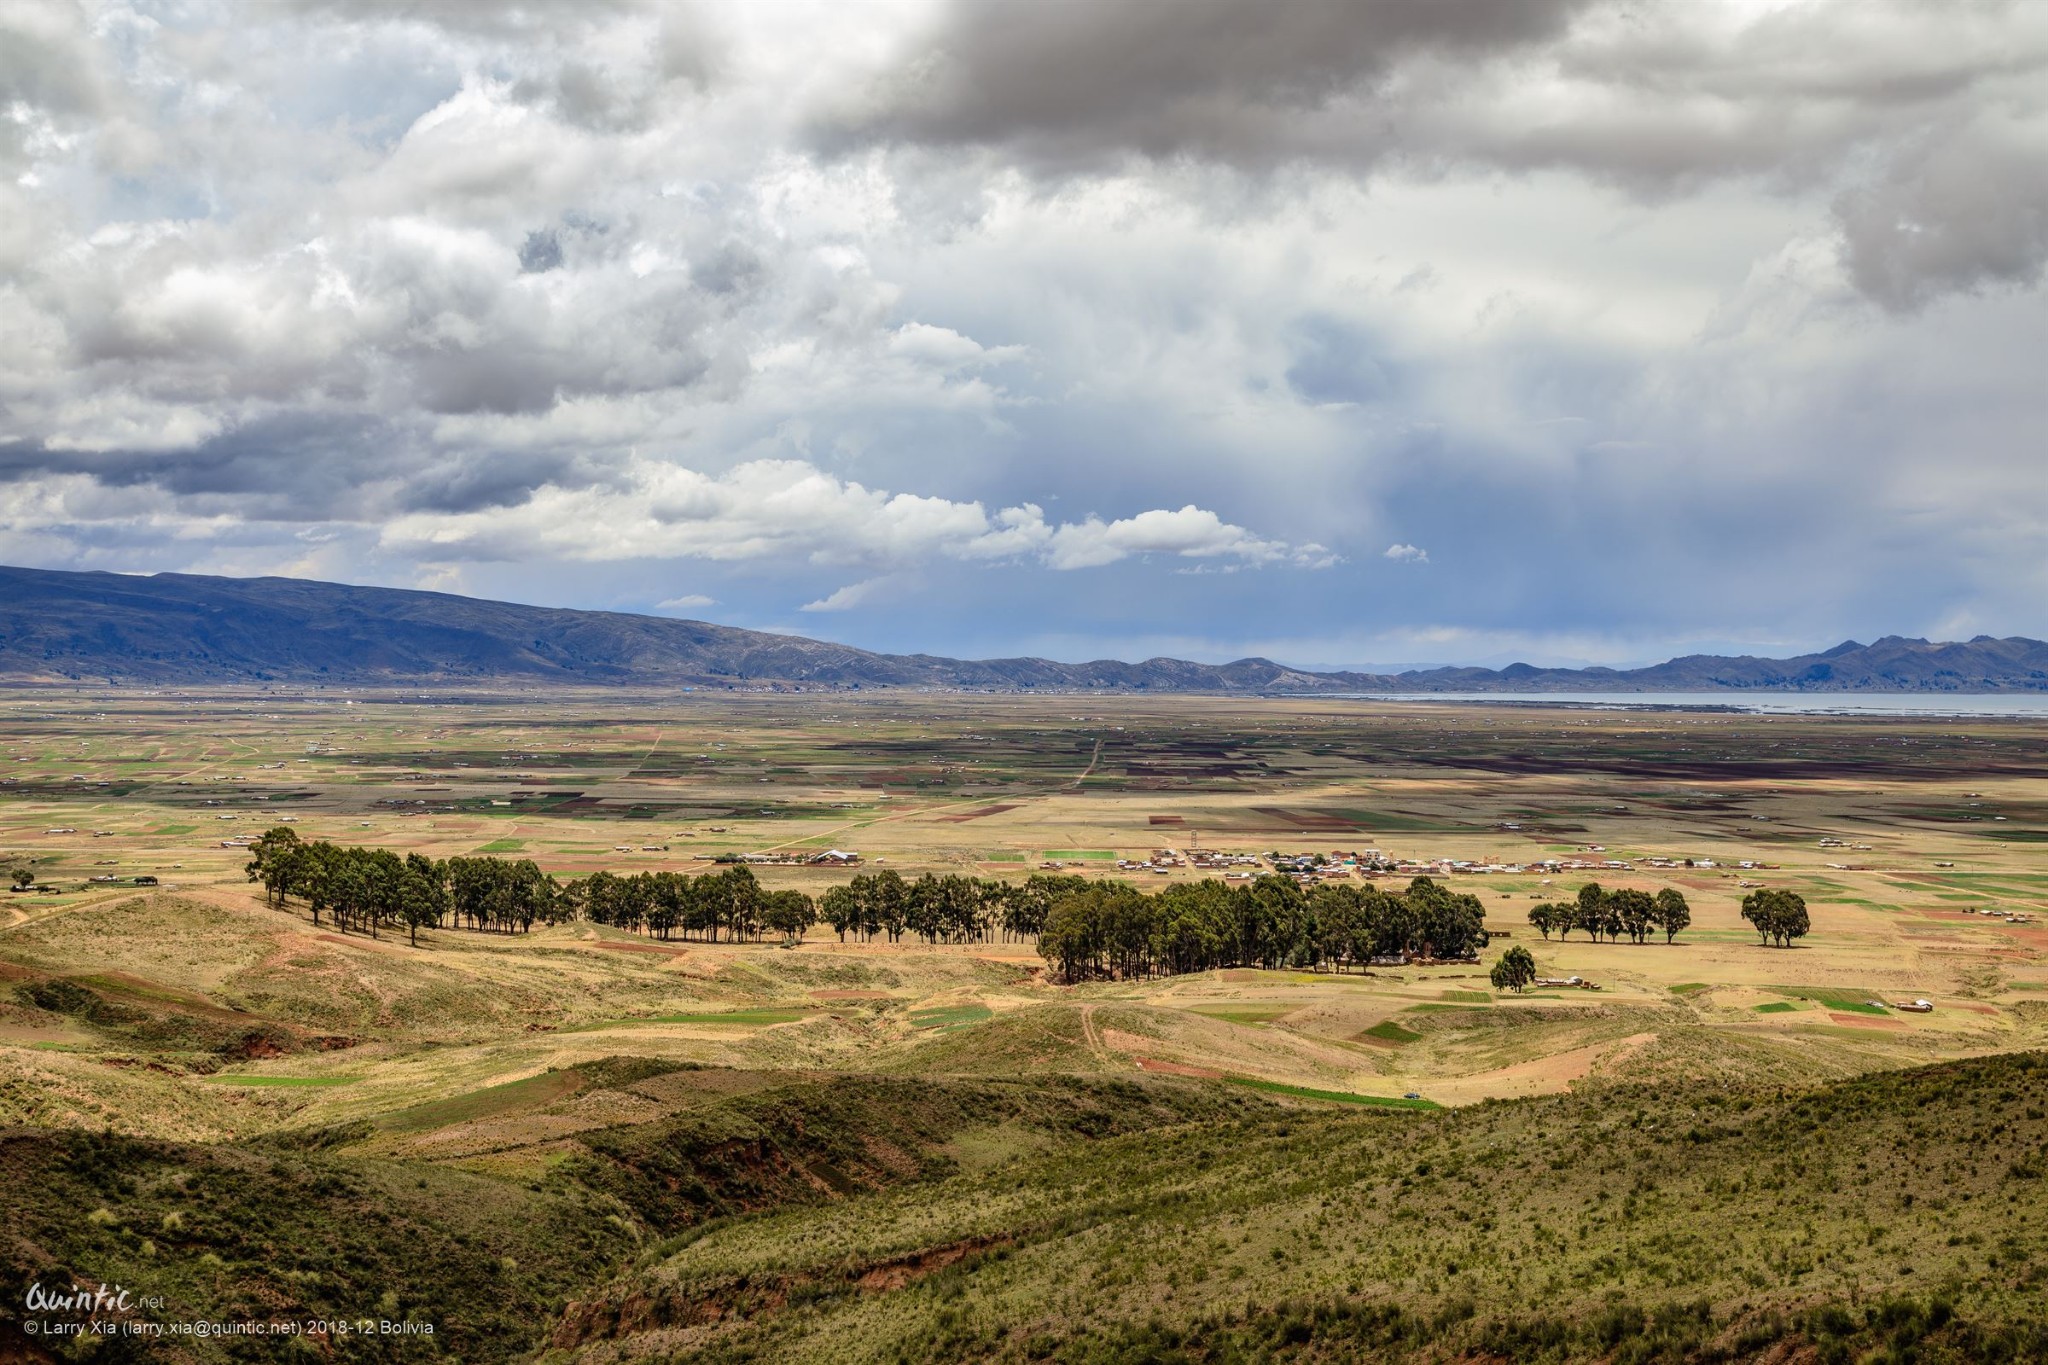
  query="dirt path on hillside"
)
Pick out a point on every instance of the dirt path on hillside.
point(1093, 1036)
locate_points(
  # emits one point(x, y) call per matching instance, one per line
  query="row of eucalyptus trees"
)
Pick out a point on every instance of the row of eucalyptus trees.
point(1113, 930)
point(1084, 928)
point(370, 889)
point(367, 889)
point(1598, 912)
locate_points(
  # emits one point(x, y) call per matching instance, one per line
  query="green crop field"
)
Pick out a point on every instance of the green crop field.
point(736, 1018)
point(1247, 1014)
point(587, 1143)
point(950, 1016)
point(1302, 1092)
point(1854, 1002)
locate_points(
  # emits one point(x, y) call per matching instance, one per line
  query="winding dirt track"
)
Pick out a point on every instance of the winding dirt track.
point(1093, 1036)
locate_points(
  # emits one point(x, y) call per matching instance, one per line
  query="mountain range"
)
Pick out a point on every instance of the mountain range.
point(168, 628)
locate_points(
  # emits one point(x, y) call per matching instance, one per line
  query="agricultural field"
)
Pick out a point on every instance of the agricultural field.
point(580, 1143)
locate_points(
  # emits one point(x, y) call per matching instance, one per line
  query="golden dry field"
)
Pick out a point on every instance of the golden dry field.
point(1927, 887)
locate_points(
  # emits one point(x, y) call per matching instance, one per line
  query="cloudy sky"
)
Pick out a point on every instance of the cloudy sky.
point(1347, 332)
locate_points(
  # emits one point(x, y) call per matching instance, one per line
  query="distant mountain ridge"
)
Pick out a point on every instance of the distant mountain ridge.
point(57, 625)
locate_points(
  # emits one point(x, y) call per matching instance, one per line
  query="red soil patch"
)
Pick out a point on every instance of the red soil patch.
point(1991, 1010)
point(967, 815)
point(897, 1273)
point(257, 1048)
point(1177, 821)
point(1311, 821)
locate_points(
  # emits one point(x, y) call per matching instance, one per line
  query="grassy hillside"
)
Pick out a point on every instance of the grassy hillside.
point(336, 1223)
point(1899, 1211)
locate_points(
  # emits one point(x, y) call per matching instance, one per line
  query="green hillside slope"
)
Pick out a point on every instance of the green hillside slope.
point(1897, 1213)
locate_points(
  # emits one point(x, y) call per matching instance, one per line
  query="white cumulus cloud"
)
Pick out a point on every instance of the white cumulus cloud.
point(848, 597)
point(793, 511)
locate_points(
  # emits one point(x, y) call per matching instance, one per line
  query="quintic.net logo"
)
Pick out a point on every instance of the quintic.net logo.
point(77, 1299)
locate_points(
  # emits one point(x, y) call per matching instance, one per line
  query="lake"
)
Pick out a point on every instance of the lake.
point(1786, 703)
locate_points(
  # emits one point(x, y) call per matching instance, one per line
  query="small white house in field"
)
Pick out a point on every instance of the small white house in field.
point(834, 857)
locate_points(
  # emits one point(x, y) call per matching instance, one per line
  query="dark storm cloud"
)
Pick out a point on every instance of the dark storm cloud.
point(480, 481)
point(299, 467)
point(1928, 122)
point(1962, 209)
point(40, 60)
point(318, 468)
point(1071, 85)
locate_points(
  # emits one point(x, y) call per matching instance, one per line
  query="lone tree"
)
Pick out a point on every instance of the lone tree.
point(1515, 969)
point(24, 878)
point(1778, 916)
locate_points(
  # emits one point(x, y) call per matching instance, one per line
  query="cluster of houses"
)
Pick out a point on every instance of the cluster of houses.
point(831, 857)
point(1746, 864)
point(1211, 860)
point(1370, 862)
point(1162, 861)
point(1342, 864)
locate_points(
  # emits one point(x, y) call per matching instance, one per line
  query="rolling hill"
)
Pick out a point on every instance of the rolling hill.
point(59, 626)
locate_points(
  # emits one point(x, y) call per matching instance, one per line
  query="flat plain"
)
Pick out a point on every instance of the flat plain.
point(616, 1148)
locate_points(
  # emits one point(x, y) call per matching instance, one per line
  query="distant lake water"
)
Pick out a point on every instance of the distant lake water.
point(1781, 703)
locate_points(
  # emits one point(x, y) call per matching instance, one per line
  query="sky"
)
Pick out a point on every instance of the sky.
point(1348, 333)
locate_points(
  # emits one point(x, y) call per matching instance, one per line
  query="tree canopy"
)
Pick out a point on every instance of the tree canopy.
point(1777, 916)
point(1111, 929)
point(1515, 970)
point(1614, 913)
